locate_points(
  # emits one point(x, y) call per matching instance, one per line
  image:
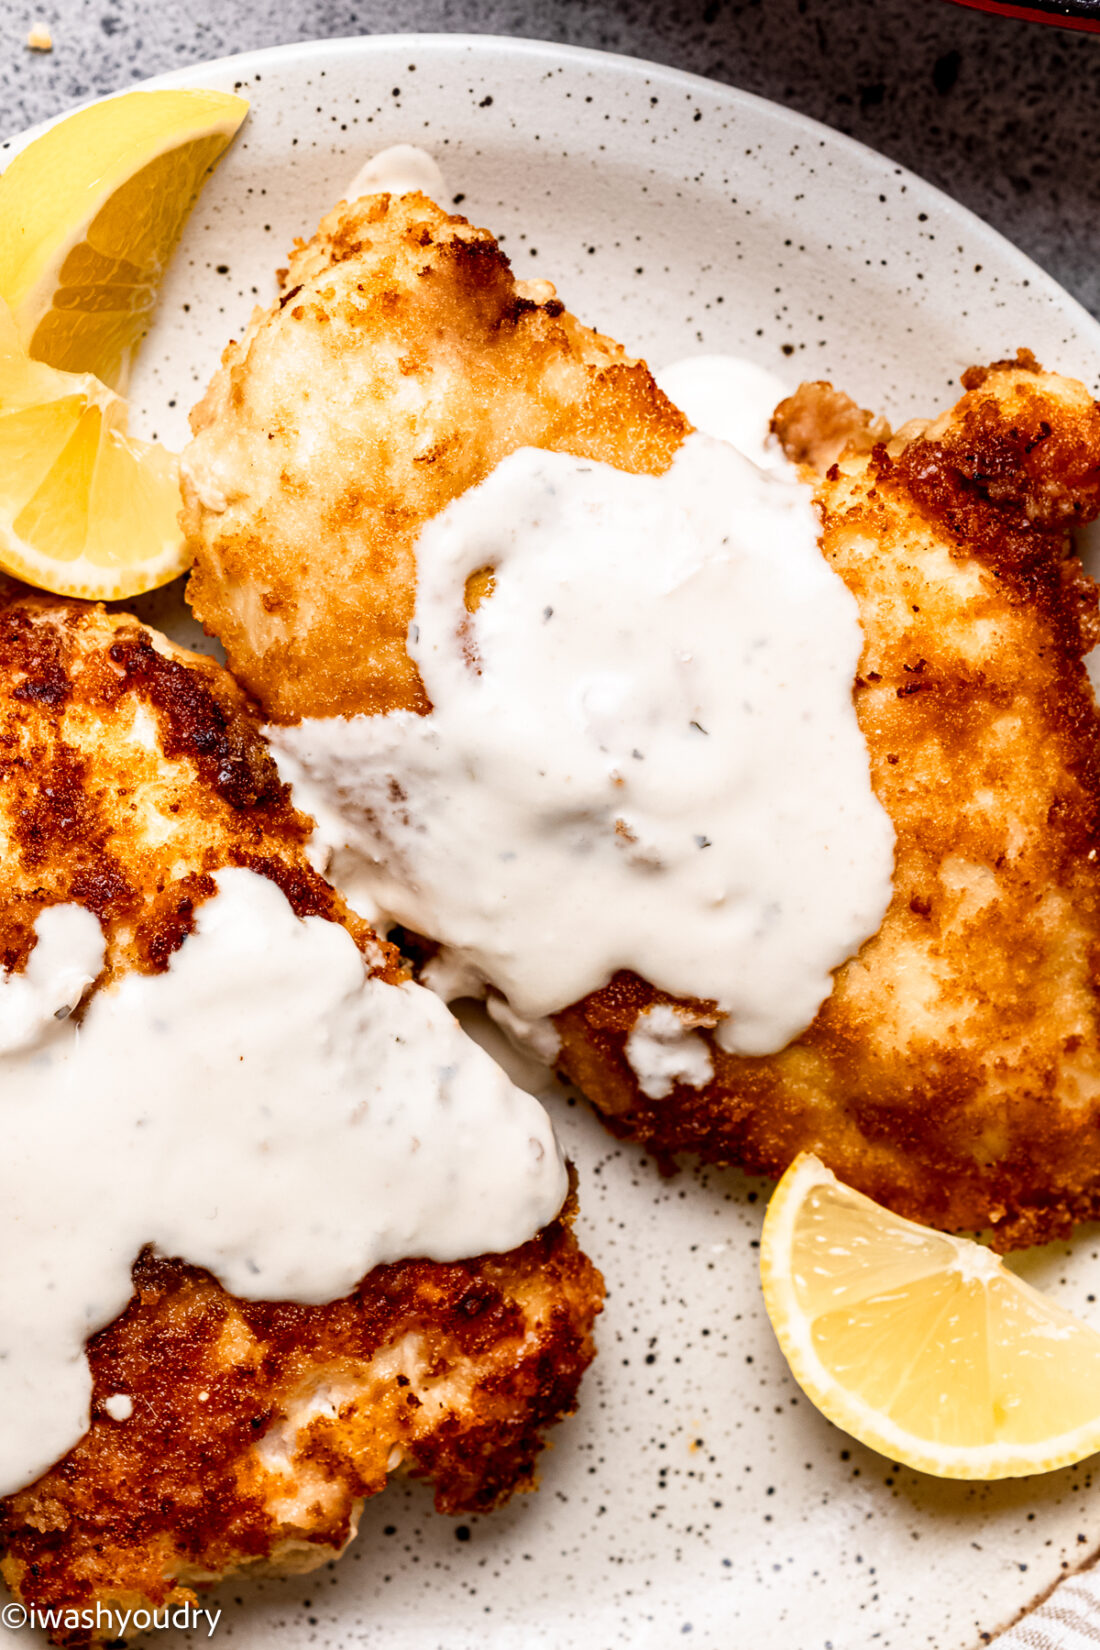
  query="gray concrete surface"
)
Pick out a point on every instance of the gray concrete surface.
point(999, 113)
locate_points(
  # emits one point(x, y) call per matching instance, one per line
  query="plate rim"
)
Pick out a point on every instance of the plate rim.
point(1013, 259)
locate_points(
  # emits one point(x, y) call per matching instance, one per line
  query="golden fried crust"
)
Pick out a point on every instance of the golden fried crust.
point(258, 1429)
point(954, 1073)
point(401, 364)
point(818, 423)
point(130, 770)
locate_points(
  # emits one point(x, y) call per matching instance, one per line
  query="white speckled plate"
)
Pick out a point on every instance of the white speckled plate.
point(697, 1494)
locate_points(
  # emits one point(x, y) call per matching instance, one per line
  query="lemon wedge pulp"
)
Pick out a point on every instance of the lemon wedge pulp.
point(85, 510)
point(922, 1345)
point(90, 213)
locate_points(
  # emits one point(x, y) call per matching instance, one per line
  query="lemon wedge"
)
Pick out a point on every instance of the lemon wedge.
point(90, 213)
point(921, 1345)
point(85, 510)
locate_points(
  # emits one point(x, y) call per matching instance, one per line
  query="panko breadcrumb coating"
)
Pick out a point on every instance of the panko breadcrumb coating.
point(954, 1072)
point(400, 365)
point(131, 771)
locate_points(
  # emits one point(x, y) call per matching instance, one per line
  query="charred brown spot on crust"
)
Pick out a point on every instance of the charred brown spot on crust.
point(38, 654)
point(53, 813)
point(520, 306)
point(307, 893)
point(103, 887)
point(478, 261)
point(55, 824)
point(46, 690)
point(432, 454)
point(17, 941)
point(163, 930)
point(1003, 481)
point(214, 733)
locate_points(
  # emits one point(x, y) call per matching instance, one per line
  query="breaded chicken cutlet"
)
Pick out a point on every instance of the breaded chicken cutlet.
point(954, 1072)
point(400, 365)
point(132, 772)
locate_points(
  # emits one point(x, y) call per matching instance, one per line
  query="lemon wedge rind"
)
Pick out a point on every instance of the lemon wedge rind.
point(91, 212)
point(85, 509)
point(877, 1315)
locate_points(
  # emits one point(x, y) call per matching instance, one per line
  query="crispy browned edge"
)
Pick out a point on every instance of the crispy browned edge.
point(1007, 491)
point(168, 1493)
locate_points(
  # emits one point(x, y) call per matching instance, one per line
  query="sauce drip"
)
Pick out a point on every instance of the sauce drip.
point(403, 169)
point(732, 400)
point(643, 751)
point(264, 1108)
point(664, 1049)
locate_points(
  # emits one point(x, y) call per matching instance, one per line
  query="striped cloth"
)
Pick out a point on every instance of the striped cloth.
point(1068, 1620)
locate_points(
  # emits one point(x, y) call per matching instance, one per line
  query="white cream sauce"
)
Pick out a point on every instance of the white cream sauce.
point(539, 1038)
point(643, 751)
point(264, 1109)
point(732, 400)
point(67, 956)
point(665, 1048)
point(400, 170)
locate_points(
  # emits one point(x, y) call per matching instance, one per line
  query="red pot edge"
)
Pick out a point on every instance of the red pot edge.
point(1029, 14)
